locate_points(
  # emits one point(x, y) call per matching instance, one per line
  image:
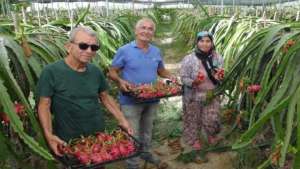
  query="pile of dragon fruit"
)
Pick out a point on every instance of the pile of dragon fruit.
point(100, 148)
point(157, 90)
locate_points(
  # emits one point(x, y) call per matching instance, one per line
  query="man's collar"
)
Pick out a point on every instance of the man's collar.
point(133, 43)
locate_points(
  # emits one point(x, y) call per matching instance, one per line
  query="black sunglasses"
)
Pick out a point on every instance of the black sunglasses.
point(85, 46)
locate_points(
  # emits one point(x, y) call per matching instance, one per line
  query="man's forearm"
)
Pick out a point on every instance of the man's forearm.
point(112, 106)
point(46, 122)
point(45, 116)
point(113, 75)
point(164, 73)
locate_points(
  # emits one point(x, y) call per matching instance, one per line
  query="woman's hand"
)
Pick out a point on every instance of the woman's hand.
point(199, 79)
point(219, 74)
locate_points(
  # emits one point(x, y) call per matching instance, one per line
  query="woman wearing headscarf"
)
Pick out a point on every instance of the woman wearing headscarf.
point(200, 74)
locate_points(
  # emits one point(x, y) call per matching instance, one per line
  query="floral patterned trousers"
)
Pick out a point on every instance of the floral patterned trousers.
point(197, 116)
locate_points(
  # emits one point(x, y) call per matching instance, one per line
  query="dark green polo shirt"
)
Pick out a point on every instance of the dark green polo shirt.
point(74, 99)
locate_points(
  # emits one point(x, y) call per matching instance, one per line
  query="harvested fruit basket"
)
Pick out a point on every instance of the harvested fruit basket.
point(154, 91)
point(100, 149)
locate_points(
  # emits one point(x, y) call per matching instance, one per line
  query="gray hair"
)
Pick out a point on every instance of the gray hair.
point(141, 21)
point(85, 29)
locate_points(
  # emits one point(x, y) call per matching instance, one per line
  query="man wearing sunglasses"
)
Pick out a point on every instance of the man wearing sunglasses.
point(70, 90)
point(139, 62)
